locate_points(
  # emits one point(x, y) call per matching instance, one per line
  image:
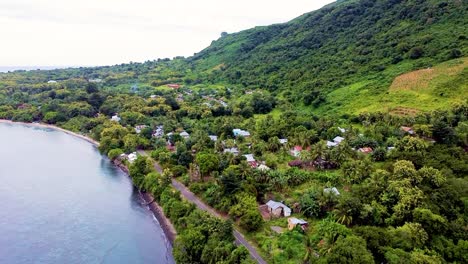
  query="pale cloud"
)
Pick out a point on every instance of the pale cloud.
point(103, 32)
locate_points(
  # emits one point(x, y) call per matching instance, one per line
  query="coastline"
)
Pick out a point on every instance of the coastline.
point(154, 207)
point(43, 125)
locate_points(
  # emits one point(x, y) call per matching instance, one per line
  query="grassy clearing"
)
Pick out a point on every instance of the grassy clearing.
point(438, 87)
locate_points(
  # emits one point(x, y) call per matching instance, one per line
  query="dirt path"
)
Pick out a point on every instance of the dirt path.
point(191, 197)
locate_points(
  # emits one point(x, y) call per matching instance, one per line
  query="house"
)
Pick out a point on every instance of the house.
point(224, 104)
point(331, 190)
point(173, 85)
point(139, 128)
point(408, 130)
point(51, 82)
point(184, 135)
point(213, 138)
point(296, 151)
point(251, 160)
point(263, 167)
point(338, 139)
point(115, 118)
point(331, 144)
point(97, 80)
point(239, 132)
point(342, 130)
point(283, 141)
point(153, 96)
point(293, 222)
point(132, 157)
point(366, 150)
point(159, 132)
point(278, 209)
point(390, 148)
point(234, 151)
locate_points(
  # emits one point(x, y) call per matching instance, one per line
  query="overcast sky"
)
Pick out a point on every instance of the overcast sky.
point(106, 32)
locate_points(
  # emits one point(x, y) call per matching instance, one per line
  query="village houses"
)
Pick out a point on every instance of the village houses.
point(277, 209)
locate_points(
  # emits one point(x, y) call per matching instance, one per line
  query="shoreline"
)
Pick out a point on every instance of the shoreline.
point(43, 125)
point(164, 222)
point(158, 212)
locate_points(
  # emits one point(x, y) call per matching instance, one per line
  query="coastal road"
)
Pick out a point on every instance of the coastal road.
point(191, 197)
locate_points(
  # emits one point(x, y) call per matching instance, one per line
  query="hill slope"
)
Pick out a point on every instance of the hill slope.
point(342, 44)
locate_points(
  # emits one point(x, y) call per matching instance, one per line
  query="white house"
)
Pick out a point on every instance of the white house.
point(263, 167)
point(115, 118)
point(342, 130)
point(283, 140)
point(331, 144)
point(213, 138)
point(184, 135)
point(234, 151)
point(278, 209)
point(331, 190)
point(139, 128)
point(51, 82)
point(239, 132)
point(132, 157)
point(159, 132)
point(338, 139)
point(249, 157)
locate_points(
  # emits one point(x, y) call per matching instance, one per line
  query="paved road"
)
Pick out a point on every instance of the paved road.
point(191, 197)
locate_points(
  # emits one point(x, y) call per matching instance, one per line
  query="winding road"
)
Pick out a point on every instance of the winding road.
point(191, 197)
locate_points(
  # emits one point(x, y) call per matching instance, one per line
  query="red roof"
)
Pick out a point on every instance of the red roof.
point(406, 129)
point(297, 148)
point(174, 85)
point(366, 150)
point(253, 164)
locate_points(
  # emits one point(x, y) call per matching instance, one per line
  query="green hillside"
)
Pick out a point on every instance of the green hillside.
point(341, 59)
point(357, 46)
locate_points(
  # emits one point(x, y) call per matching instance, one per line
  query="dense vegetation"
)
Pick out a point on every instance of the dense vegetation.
point(401, 172)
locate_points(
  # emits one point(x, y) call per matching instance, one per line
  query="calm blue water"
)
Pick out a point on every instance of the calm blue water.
point(62, 202)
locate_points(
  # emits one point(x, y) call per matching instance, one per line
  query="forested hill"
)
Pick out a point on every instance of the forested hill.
point(341, 44)
point(350, 57)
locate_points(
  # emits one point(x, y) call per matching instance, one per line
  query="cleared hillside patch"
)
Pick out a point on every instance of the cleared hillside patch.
point(428, 78)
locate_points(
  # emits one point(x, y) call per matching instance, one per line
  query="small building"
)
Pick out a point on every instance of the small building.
point(332, 190)
point(233, 151)
point(138, 128)
point(296, 151)
point(213, 138)
point(263, 167)
point(184, 135)
point(158, 132)
point(408, 130)
point(132, 157)
point(239, 132)
point(153, 96)
point(97, 80)
point(366, 150)
point(278, 209)
point(331, 144)
point(342, 130)
point(338, 139)
point(251, 160)
point(283, 141)
point(173, 85)
point(115, 118)
point(293, 222)
point(52, 82)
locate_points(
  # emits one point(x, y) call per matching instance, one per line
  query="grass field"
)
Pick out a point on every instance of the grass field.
point(427, 89)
